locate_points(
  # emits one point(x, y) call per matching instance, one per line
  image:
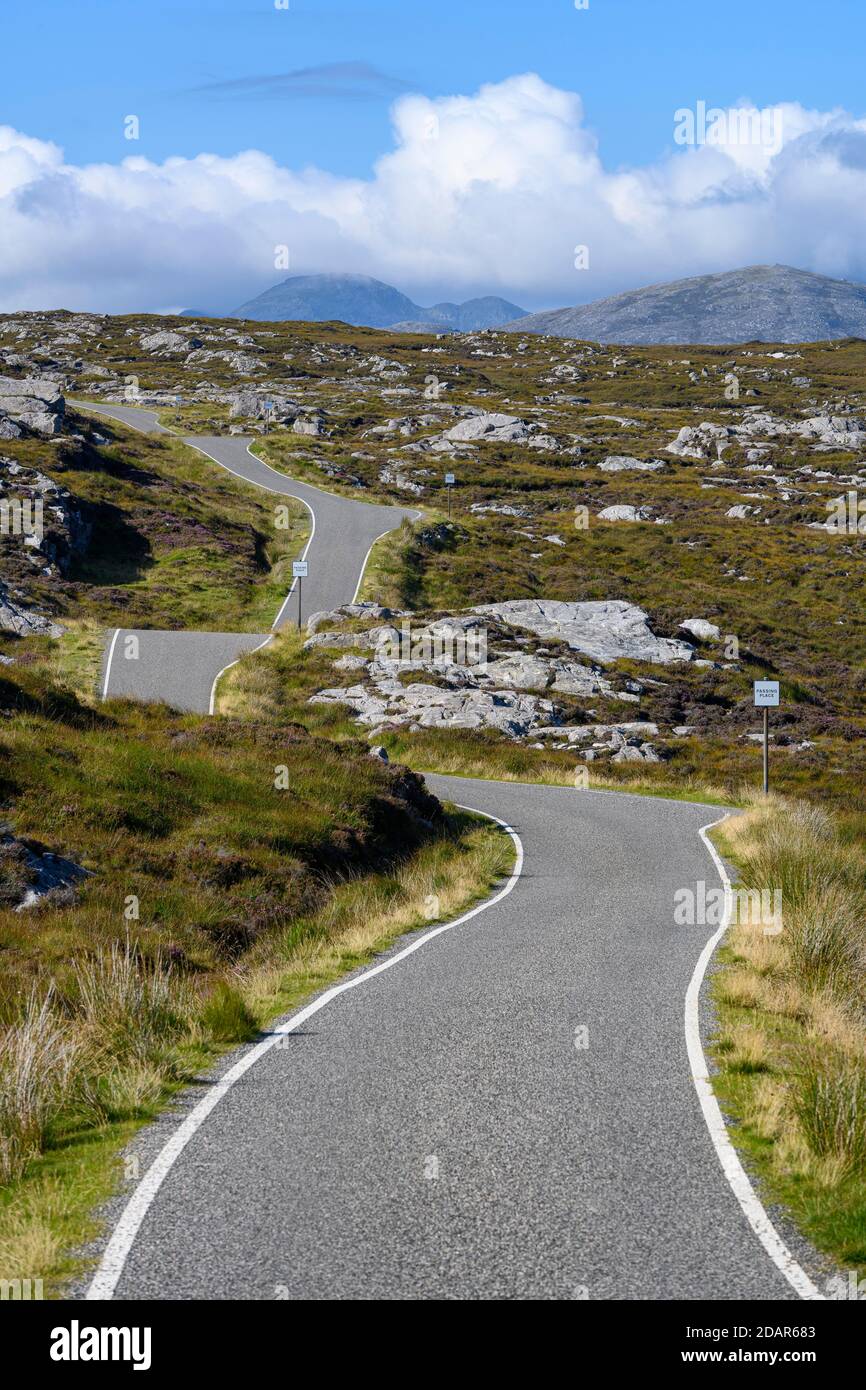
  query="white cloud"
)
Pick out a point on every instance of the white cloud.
point(488, 193)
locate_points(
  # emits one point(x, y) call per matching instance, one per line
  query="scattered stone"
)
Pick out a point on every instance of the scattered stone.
point(31, 873)
point(165, 343)
point(500, 509)
point(619, 463)
point(702, 629)
point(701, 441)
point(626, 512)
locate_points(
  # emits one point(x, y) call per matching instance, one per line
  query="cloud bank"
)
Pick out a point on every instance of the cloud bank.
point(489, 193)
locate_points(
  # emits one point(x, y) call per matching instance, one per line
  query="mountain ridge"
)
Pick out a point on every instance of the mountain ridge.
point(758, 303)
point(365, 302)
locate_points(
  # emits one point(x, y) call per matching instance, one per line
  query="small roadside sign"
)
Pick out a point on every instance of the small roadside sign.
point(449, 483)
point(766, 698)
point(299, 572)
point(766, 694)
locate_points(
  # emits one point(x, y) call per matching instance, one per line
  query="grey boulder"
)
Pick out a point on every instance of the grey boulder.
point(604, 630)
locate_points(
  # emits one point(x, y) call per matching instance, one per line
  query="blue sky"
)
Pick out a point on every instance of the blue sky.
point(633, 61)
point(315, 87)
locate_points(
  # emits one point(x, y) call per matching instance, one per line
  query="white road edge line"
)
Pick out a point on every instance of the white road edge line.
point(732, 1168)
point(727, 1155)
point(366, 558)
point(285, 478)
point(117, 632)
point(115, 1255)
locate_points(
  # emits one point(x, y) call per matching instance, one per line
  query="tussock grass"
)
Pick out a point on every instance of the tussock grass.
point(246, 899)
point(129, 1007)
point(829, 1101)
point(791, 1049)
point(38, 1057)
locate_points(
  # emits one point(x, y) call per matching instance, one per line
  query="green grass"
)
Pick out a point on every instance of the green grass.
point(216, 900)
point(790, 1044)
point(181, 544)
point(177, 541)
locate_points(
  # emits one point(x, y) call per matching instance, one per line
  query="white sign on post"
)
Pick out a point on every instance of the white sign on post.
point(449, 480)
point(766, 694)
point(299, 569)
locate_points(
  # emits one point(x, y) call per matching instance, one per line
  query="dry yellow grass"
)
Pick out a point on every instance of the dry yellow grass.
point(792, 1010)
point(51, 1210)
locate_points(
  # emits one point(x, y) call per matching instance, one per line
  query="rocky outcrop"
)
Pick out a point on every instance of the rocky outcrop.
point(481, 674)
point(626, 511)
point(240, 362)
point(31, 874)
point(705, 441)
point(31, 403)
point(168, 344)
point(256, 404)
point(480, 426)
point(625, 743)
point(16, 617)
point(43, 519)
point(833, 431)
point(507, 429)
point(605, 631)
point(822, 432)
point(422, 706)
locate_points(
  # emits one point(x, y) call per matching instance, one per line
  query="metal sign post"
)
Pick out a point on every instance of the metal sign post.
point(269, 405)
point(766, 698)
point(299, 572)
point(449, 483)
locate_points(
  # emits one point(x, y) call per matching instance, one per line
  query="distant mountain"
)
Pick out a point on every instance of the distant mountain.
point(764, 303)
point(368, 303)
point(487, 312)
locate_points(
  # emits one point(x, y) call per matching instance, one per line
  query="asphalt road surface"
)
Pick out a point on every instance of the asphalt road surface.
point(506, 1113)
point(505, 1108)
point(180, 667)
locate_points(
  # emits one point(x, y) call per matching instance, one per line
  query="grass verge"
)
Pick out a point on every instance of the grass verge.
point(214, 903)
point(791, 1005)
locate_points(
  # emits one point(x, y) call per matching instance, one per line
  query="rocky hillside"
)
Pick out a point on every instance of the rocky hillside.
point(693, 491)
point(761, 303)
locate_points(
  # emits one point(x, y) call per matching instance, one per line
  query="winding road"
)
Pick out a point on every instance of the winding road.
point(513, 1105)
point(181, 668)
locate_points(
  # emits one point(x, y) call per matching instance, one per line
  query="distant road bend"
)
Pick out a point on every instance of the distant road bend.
point(507, 1106)
point(181, 668)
